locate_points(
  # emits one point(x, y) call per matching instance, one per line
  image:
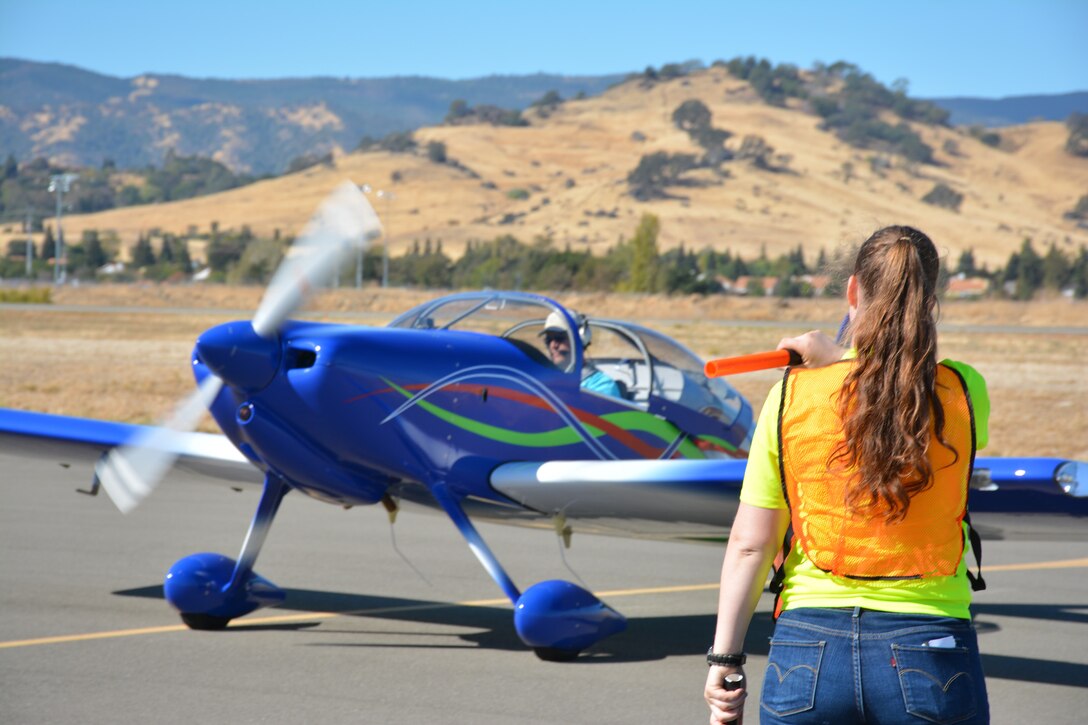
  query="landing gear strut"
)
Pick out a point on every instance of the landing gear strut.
point(556, 618)
point(210, 589)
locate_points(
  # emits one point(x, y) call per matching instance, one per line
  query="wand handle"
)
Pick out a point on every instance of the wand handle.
point(733, 681)
point(755, 361)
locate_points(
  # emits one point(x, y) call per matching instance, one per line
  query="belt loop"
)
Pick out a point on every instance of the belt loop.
point(857, 612)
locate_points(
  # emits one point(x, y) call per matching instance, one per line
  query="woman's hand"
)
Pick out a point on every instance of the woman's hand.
point(726, 706)
point(816, 348)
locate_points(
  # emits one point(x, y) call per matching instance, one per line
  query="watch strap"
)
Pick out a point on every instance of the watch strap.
point(727, 660)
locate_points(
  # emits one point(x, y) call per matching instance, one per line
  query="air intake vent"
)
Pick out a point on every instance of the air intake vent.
point(298, 358)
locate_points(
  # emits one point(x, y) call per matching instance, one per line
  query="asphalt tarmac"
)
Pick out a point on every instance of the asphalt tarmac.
point(377, 629)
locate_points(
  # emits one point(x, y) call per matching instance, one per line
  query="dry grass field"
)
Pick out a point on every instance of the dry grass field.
point(121, 352)
point(571, 166)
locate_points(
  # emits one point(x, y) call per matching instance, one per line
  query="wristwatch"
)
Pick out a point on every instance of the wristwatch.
point(729, 660)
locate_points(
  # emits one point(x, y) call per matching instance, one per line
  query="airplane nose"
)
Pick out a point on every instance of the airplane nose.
point(238, 355)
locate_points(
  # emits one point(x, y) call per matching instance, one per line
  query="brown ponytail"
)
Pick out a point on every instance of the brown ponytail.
point(889, 400)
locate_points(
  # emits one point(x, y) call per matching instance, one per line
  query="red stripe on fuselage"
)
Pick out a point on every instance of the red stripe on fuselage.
point(621, 435)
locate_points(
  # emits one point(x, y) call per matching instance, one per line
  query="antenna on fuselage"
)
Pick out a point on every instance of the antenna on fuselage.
point(563, 533)
point(392, 506)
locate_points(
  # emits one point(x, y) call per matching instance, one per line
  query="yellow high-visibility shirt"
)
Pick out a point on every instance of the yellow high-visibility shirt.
point(805, 584)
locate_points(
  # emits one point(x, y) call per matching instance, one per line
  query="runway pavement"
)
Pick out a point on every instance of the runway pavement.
point(368, 635)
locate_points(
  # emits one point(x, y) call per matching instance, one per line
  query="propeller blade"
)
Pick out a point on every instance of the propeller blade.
point(132, 471)
point(344, 223)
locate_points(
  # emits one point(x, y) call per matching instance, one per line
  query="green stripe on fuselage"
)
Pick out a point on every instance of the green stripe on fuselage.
point(630, 421)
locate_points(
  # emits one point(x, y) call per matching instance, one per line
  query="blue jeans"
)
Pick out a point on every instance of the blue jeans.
point(842, 666)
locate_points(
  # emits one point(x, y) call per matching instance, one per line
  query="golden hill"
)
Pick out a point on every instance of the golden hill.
point(574, 163)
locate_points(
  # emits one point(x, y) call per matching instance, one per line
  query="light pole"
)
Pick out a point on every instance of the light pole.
point(60, 183)
point(28, 227)
point(387, 196)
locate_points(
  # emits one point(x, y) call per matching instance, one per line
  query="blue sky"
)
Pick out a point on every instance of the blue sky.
point(982, 48)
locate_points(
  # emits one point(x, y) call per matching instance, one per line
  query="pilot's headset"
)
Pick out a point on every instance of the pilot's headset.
point(584, 330)
point(555, 322)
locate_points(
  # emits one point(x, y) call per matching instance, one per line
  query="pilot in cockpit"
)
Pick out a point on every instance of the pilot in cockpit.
point(558, 343)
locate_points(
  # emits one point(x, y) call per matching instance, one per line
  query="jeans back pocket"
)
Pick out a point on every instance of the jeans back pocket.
point(937, 682)
point(789, 684)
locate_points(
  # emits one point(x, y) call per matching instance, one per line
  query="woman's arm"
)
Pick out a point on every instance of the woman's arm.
point(753, 542)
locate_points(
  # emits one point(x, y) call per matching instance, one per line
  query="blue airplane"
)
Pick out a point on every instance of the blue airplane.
point(462, 405)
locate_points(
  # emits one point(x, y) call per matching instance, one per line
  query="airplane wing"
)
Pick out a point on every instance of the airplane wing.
point(688, 499)
point(70, 441)
point(1027, 497)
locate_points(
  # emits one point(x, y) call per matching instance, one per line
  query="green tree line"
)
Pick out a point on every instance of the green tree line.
point(631, 265)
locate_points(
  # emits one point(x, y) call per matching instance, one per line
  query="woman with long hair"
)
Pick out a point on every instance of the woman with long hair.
point(857, 479)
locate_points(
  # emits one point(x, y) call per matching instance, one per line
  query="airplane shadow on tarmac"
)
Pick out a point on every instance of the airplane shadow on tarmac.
point(646, 638)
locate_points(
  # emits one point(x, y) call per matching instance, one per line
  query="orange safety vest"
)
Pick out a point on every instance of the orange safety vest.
point(862, 544)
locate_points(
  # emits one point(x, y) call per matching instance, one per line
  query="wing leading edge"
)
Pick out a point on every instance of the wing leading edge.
point(1027, 497)
point(71, 441)
point(683, 499)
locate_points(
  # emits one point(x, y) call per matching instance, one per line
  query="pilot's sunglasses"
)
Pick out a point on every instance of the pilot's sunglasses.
point(555, 337)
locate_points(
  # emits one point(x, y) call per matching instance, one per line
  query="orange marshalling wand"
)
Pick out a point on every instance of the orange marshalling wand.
point(748, 363)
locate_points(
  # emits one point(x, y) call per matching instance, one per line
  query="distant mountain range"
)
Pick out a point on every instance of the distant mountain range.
point(755, 178)
point(80, 118)
point(1012, 110)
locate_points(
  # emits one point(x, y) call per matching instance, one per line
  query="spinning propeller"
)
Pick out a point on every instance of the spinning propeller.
point(344, 223)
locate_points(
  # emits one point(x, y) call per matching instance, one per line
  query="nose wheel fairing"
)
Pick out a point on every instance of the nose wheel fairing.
point(199, 587)
point(210, 589)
